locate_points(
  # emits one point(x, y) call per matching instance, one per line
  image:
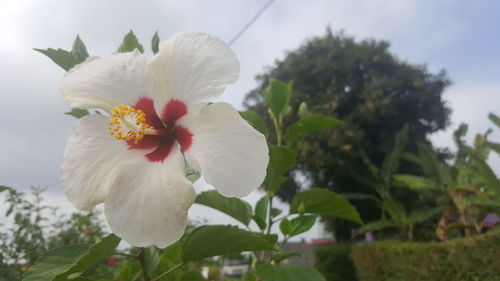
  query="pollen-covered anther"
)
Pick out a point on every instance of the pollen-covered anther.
point(128, 124)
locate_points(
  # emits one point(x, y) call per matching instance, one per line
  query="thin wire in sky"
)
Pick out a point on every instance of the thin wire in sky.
point(238, 35)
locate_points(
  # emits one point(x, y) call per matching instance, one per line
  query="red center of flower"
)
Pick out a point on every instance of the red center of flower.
point(167, 131)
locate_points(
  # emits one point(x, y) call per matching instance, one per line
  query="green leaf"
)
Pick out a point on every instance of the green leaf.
point(494, 118)
point(271, 238)
point(255, 121)
point(58, 264)
point(494, 146)
point(391, 161)
point(260, 212)
point(286, 226)
point(215, 240)
point(233, 207)
point(155, 43)
point(324, 202)
point(376, 226)
point(191, 174)
point(297, 225)
point(288, 272)
point(192, 275)
point(302, 224)
point(360, 196)
point(281, 160)
point(302, 109)
point(309, 124)
point(416, 183)
point(130, 43)
point(151, 259)
point(275, 212)
point(395, 210)
point(170, 257)
point(61, 57)
point(77, 112)
point(277, 96)
point(249, 276)
point(3, 188)
point(423, 214)
point(283, 256)
point(79, 51)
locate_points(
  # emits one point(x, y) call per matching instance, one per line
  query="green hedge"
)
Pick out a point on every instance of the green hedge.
point(467, 259)
point(335, 263)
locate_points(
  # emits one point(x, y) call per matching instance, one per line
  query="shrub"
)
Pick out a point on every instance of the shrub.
point(335, 263)
point(467, 259)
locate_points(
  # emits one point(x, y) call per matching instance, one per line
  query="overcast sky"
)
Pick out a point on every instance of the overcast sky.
point(459, 36)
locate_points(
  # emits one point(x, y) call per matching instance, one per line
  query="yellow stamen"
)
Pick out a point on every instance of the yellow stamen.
point(128, 124)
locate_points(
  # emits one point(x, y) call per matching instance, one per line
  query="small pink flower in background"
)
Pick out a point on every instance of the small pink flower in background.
point(160, 117)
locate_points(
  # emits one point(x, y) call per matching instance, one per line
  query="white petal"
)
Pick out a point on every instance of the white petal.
point(91, 160)
point(148, 204)
point(193, 68)
point(107, 82)
point(230, 154)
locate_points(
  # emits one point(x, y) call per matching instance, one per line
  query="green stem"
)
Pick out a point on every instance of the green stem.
point(124, 255)
point(168, 271)
point(270, 219)
point(143, 265)
point(277, 129)
point(279, 219)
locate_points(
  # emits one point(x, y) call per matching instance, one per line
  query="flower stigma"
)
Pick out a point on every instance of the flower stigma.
point(129, 124)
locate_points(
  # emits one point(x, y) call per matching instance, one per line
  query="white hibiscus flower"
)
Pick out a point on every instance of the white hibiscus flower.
point(159, 117)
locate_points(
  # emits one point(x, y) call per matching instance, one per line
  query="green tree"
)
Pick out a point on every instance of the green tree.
point(373, 92)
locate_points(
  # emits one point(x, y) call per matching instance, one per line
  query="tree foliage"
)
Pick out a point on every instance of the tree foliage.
point(373, 91)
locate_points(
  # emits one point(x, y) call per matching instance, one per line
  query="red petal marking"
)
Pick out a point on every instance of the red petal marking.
point(163, 144)
point(173, 111)
point(184, 137)
point(148, 142)
point(148, 107)
point(163, 150)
